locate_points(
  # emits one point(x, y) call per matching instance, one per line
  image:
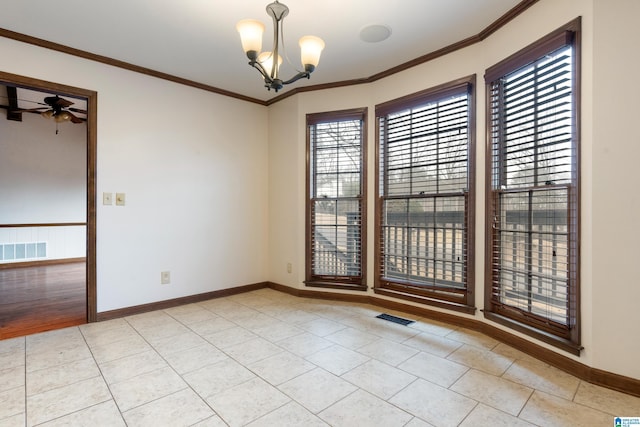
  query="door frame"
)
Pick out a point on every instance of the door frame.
point(92, 128)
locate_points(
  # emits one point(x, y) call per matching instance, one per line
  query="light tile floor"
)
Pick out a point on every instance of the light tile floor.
point(266, 358)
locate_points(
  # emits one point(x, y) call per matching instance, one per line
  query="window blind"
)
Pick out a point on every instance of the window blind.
point(335, 225)
point(534, 192)
point(424, 152)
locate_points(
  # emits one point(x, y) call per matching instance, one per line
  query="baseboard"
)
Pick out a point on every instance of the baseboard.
point(41, 263)
point(162, 305)
point(580, 370)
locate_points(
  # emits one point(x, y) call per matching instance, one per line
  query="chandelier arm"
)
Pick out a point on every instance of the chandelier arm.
point(258, 66)
point(284, 48)
point(300, 75)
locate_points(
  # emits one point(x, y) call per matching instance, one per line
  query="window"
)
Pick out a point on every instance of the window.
point(336, 199)
point(424, 212)
point(532, 256)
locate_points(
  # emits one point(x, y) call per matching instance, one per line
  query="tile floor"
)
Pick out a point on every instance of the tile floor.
point(266, 358)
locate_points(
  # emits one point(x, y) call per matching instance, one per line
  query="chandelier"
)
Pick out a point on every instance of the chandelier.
point(268, 63)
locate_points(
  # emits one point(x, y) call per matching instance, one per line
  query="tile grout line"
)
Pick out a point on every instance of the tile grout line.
point(291, 399)
point(102, 375)
point(525, 404)
point(188, 386)
point(247, 367)
point(59, 387)
point(276, 387)
point(204, 399)
point(471, 411)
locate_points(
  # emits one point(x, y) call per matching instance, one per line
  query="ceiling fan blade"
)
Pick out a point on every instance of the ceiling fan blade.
point(56, 101)
point(75, 119)
point(77, 110)
point(30, 110)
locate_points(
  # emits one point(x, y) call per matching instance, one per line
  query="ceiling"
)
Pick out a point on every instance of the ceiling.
point(197, 40)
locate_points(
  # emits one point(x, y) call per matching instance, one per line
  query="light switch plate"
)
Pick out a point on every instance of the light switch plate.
point(119, 199)
point(165, 277)
point(107, 198)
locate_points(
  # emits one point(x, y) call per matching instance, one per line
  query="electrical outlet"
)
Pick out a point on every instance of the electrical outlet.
point(289, 267)
point(165, 278)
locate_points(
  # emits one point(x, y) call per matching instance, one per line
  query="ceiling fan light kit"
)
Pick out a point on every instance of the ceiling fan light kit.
point(63, 116)
point(251, 32)
point(59, 110)
point(58, 117)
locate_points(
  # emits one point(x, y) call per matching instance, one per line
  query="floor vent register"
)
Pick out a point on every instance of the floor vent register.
point(395, 319)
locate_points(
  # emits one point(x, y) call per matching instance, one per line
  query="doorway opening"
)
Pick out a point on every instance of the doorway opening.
point(47, 238)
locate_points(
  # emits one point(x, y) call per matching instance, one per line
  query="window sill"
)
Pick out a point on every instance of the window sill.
point(335, 285)
point(558, 342)
point(462, 308)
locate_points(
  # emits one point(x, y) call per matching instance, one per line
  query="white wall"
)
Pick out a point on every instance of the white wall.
point(616, 176)
point(194, 175)
point(42, 175)
point(608, 248)
point(43, 180)
point(286, 158)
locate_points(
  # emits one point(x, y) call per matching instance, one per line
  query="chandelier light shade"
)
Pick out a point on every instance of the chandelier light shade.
point(250, 34)
point(251, 37)
point(310, 50)
point(266, 60)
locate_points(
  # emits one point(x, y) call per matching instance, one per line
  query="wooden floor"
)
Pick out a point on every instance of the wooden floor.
point(37, 299)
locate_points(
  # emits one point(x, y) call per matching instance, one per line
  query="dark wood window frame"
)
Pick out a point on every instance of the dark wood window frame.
point(462, 298)
point(499, 307)
point(350, 272)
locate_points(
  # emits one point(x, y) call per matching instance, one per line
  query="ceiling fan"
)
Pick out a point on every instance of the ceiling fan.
point(59, 109)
